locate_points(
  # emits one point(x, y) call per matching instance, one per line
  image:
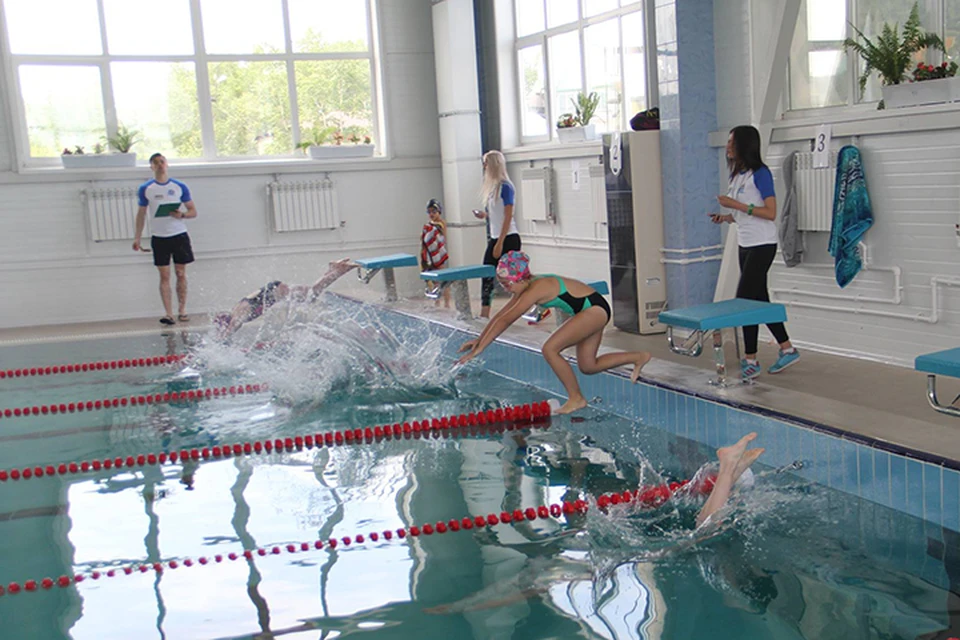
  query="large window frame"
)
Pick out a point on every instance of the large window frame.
point(542, 39)
point(200, 59)
point(855, 103)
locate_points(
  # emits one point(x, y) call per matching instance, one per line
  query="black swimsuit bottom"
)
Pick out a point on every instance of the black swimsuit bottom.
point(595, 299)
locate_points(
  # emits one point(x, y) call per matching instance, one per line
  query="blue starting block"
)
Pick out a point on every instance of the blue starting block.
point(713, 318)
point(457, 277)
point(536, 314)
point(369, 267)
point(944, 363)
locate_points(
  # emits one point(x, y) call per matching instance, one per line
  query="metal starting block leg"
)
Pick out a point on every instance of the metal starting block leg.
point(461, 299)
point(719, 359)
point(389, 279)
point(692, 346)
point(932, 398)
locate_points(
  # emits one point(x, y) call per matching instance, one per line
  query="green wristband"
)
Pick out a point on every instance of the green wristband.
point(749, 209)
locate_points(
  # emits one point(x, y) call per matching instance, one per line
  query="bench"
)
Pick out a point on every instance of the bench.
point(457, 277)
point(536, 314)
point(943, 363)
point(369, 267)
point(712, 319)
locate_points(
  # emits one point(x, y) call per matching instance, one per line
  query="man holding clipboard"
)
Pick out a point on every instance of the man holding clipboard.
point(168, 203)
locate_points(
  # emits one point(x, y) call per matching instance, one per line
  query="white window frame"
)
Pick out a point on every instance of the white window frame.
point(854, 105)
point(542, 38)
point(200, 58)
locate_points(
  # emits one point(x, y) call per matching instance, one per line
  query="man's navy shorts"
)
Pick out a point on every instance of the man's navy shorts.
point(178, 247)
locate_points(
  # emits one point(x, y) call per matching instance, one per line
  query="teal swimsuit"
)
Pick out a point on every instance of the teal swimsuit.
point(571, 304)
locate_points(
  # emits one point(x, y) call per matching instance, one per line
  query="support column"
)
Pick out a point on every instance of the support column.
point(688, 113)
point(458, 101)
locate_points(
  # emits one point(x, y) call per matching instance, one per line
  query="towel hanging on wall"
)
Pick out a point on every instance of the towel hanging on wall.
point(852, 214)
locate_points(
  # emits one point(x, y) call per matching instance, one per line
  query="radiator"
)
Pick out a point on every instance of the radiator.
point(536, 191)
point(304, 205)
point(111, 212)
point(814, 192)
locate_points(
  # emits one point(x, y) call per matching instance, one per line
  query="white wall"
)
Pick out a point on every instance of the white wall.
point(914, 184)
point(50, 272)
point(575, 245)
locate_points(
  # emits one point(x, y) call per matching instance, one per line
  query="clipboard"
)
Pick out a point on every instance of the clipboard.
point(165, 209)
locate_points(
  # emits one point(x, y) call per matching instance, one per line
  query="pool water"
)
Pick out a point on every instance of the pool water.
point(792, 559)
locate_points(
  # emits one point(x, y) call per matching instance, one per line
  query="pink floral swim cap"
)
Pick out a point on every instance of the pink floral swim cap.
point(514, 266)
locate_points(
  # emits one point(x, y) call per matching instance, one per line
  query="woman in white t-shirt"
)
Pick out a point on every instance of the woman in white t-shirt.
point(498, 196)
point(752, 204)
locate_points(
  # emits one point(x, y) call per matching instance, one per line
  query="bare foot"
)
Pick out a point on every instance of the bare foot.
point(571, 405)
point(748, 458)
point(730, 456)
point(638, 366)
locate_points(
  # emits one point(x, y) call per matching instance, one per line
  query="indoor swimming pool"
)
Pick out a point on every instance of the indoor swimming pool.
point(830, 539)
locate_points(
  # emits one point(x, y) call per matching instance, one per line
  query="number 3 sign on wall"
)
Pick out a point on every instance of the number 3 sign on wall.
point(821, 147)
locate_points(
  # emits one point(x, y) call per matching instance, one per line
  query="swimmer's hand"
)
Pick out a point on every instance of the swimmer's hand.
point(464, 359)
point(468, 345)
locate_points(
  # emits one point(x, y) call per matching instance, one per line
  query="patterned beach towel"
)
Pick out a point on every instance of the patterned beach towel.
point(852, 215)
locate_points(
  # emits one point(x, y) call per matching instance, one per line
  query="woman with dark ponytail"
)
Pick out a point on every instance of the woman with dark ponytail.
point(752, 203)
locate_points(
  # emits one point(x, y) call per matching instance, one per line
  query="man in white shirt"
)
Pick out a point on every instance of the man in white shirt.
point(168, 202)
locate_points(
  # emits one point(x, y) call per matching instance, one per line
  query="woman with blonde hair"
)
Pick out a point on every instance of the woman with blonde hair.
point(498, 196)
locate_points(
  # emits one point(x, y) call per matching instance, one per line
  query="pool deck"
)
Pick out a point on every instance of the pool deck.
point(882, 402)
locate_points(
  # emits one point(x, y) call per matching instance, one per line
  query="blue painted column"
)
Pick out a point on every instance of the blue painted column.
point(688, 113)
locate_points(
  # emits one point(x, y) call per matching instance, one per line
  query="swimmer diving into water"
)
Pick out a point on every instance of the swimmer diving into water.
point(590, 312)
point(253, 306)
point(544, 573)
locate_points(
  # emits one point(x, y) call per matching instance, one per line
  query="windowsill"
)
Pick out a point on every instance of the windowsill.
point(221, 168)
point(859, 121)
point(550, 150)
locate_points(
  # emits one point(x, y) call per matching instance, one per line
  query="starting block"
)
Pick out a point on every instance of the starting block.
point(713, 318)
point(536, 314)
point(944, 363)
point(369, 267)
point(457, 278)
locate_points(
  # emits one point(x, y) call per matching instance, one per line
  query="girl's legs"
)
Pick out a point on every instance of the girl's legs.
point(755, 262)
point(584, 330)
point(510, 243)
point(734, 460)
point(589, 363)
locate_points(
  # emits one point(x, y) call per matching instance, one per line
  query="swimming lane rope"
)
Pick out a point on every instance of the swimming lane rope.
point(56, 369)
point(521, 416)
point(645, 496)
point(156, 398)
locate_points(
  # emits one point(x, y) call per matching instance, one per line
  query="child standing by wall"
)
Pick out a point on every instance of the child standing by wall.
point(433, 244)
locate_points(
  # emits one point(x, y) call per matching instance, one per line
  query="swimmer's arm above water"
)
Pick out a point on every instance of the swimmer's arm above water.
point(501, 321)
point(336, 270)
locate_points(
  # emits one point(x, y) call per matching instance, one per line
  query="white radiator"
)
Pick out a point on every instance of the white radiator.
point(536, 191)
point(814, 192)
point(111, 213)
point(304, 205)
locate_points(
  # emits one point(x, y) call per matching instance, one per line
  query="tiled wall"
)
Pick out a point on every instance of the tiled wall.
point(919, 488)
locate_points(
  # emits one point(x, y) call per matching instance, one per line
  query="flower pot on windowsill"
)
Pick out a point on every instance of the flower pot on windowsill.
point(910, 94)
point(330, 151)
point(98, 160)
point(577, 134)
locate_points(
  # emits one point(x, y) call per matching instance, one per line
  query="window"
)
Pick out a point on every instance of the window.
point(822, 74)
point(565, 47)
point(201, 79)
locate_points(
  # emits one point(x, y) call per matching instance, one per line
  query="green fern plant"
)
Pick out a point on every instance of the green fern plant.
point(889, 54)
point(585, 106)
point(124, 139)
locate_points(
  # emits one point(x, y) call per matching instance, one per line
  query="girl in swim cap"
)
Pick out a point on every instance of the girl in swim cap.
point(589, 313)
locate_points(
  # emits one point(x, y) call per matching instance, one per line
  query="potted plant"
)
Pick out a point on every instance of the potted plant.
point(576, 127)
point(327, 143)
point(121, 143)
point(890, 55)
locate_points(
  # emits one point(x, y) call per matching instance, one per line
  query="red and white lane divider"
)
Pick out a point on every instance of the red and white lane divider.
point(509, 417)
point(106, 365)
point(645, 496)
point(156, 398)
